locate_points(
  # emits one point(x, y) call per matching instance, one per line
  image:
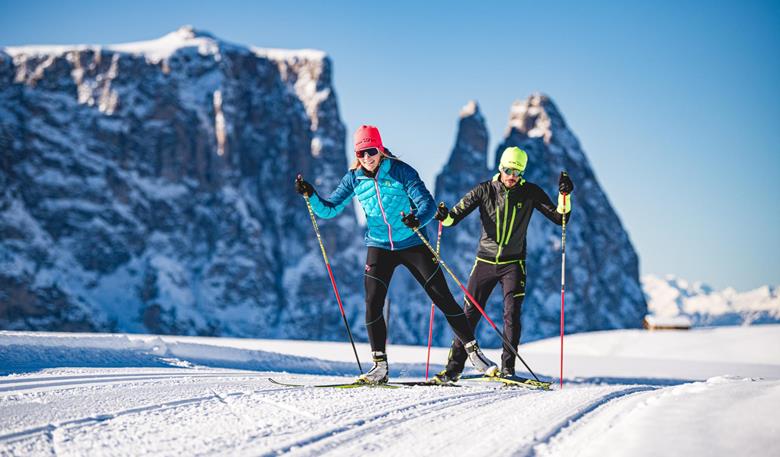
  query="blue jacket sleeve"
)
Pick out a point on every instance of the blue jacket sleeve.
point(418, 193)
point(339, 199)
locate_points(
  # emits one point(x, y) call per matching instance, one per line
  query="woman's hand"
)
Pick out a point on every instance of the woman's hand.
point(410, 220)
point(303, 187)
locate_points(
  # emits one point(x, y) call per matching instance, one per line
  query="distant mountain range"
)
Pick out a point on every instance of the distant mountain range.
point(670, 297)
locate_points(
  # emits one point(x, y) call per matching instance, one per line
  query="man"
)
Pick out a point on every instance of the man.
point(505, 204)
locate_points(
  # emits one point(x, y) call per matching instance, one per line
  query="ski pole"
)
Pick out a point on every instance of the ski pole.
point(330, 273)
point(473, 301)
point(563, 279)
point(430, 327)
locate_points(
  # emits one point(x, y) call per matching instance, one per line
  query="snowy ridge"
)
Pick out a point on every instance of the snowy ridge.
point(163, 48)
point(670, 297)
point(22, 352)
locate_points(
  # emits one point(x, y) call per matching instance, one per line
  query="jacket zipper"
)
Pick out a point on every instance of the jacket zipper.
point(384, 216)
point(498, 226)
point(511, 224)
point(506, 214)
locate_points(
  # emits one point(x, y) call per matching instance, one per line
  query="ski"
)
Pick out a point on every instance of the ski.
point(423, 383)
point(346, 385)
point(511, 381)
point(353, 385)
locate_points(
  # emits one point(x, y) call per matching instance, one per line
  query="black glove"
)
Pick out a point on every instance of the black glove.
point(441, 212)
point(303, 187)
point(565, 186)
point(410, 220)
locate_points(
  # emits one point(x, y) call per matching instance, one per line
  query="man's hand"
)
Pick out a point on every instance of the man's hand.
point(565, 186)
point(442, 212)
point(303, 187)
point(410, 220)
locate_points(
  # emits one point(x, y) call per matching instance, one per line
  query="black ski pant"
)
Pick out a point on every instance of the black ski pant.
point(380, 265)
point(483, 279)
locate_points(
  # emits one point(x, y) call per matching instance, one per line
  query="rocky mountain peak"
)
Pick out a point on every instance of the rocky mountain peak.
point(602, 281)
point(535, 117)
point(470, 109)
point(147, 187)
point(470, 151)
point(188, 32)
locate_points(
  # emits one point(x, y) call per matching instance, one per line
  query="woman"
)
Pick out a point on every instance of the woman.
point(386, 187)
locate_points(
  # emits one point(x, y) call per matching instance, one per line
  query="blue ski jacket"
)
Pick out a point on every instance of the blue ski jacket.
point(395, 187)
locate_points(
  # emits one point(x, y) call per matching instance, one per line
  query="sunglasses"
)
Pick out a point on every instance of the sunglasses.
point(371, 152)
point(512, 171)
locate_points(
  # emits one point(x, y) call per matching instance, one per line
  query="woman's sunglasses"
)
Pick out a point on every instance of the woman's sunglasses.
point(512, 171)
point(369, 152)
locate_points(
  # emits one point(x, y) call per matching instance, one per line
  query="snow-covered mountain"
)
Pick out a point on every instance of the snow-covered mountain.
point(148, 187)
point(670, 297)
point(602, 278)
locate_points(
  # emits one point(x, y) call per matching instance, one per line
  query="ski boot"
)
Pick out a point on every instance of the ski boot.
point(451, 373)
point(506, 372)
point(445, 377)
point(478, 359)
point(378, 373)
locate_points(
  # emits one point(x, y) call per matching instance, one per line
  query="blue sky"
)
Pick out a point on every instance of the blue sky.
point(676, 103)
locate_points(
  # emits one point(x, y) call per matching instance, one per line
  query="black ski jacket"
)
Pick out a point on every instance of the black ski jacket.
point(505, 214)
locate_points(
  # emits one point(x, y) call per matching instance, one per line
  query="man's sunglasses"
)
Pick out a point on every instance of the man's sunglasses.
point(512, 171)
point(371, 152)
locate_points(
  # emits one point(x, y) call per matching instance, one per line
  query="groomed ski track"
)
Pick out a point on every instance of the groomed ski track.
point(701, 393)
point(180, 411)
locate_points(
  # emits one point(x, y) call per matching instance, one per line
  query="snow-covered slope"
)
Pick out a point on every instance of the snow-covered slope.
point(669, 297)
point(87, 394)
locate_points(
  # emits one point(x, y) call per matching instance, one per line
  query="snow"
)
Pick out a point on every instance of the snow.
point(98, 394)
point(722, 416)
point(219, 123)
point(471, 109)
point(520, 110)
point(157, 188)
point(43, 50)
point(670, 297)
point(668, 322)
point(163, 48)
point(160, 49)
point(290, 55)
